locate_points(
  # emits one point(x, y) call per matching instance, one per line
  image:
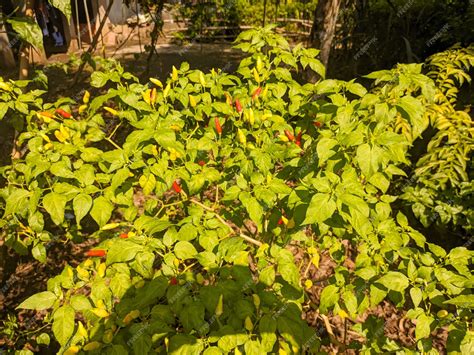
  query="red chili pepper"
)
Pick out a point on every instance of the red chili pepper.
point(176, 187)
point(63, 113)
point(173, 281)
point(238, 106)
point(256, 93)
point(317, 124)
point(202, 162)
point(290, 135)
point(97, 252)
point(123, 236)
point(298, 139)
point(218, 125)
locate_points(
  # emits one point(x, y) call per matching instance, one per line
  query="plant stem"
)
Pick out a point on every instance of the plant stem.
point(222, 220)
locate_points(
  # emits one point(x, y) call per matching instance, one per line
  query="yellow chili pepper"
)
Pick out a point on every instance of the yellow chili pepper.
point(93, 345)
point(110, 226)
point(166, 90)
point(101, 313)
point(220, 306)
point(82, 108)
point(101, 270)
point(156, 82)
point(192, 101)
point(248, 323)
point(256, 76)
point(147, 96)
point(174, 75)
point(259, 64)
point(112, 111)
point(153, 96)
point(86, 97)
point(202, 80)
point(241, 136)
point(72, 350)
point(251, 117)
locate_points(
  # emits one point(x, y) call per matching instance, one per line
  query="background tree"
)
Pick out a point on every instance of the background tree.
point(324, 27)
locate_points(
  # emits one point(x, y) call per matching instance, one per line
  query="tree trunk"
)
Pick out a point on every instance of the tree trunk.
point(25, 51)
point(157, 29)
point(324, 27)
point(7, 60)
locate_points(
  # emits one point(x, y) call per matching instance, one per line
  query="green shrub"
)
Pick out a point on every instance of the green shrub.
point(202, 188)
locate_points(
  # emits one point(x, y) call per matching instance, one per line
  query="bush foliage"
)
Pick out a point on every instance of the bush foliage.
point(205, 188)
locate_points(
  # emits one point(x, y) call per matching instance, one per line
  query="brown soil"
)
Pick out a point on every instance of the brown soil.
point(29, 277)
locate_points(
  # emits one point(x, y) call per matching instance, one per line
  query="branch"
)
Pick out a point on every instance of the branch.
point(93, 44)
point(223, 221)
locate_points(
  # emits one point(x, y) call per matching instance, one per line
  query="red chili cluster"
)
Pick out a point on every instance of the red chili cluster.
point(176, 187)
point(63, 113)
point(218, 126)
point(256, 93)
point(238, 106)
point(96, 253)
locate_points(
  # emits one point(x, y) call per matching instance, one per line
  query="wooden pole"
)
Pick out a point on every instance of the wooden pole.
point(89, 27)
point(94, 42)
point(78, 28)
point(138, 27)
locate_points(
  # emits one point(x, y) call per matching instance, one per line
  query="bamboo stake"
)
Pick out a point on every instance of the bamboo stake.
point(89, 27)
point(94, 42)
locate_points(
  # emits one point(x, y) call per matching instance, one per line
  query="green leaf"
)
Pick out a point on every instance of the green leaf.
point(43, 339)
point(102, 210)
point(321, 207)
point(166, 138)
point(81, 204)
point(267, 328)
point(329, 297)
point(356, 202)
point(55, 205)
point(413, 110)
point(289, 272)
point(185, 250)
point(267, 276)
point(80, 302)
point(39, 252)
point(213, 350)
point(36, 221)
point(380, 181)
point(14, 200)
point(182, 344)
point(147, 183)
point(85, 175)
point(394, 281)
point(99, 79)
point(64, 6)
point(151, 225)
point(63, 324)
point(416, 296)
point(122, 250)
point(39, 301)
point(28, 30)
point(324, 149)
point(463, 301)
point(368, 159)
point(253, 208)
point(423, 326)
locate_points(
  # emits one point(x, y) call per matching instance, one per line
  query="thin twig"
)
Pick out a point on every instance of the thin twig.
point(223, 221)
point(94, 43)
